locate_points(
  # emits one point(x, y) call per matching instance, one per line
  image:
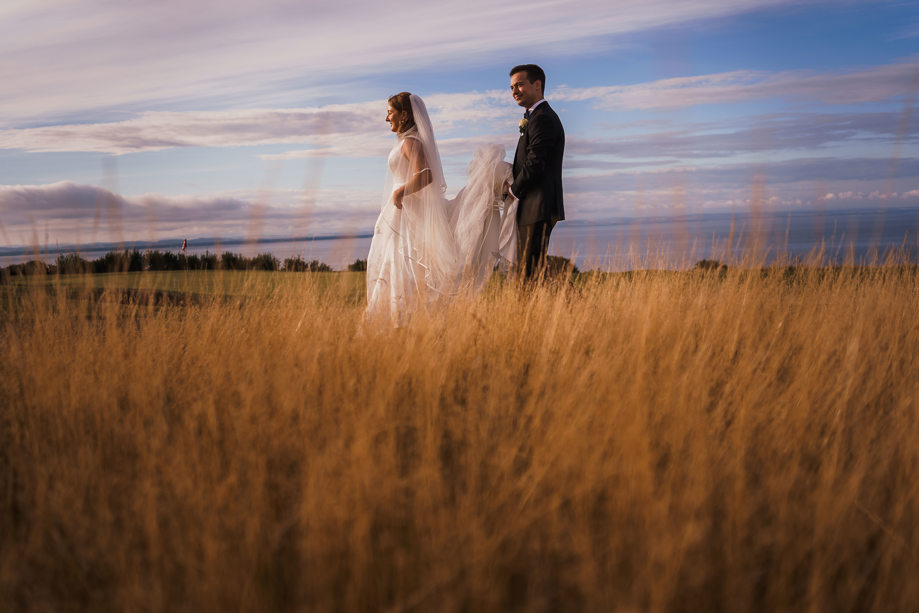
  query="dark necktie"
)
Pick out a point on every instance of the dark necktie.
point(526, 114)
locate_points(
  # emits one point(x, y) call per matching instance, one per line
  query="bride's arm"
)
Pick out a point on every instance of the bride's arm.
point(421, 173)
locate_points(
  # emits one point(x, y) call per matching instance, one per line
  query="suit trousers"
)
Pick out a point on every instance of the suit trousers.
point(532, 247)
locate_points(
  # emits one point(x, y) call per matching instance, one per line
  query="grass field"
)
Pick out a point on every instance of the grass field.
point(680, 441)
point(260, 284)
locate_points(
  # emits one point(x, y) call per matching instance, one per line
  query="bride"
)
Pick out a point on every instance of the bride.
point(424, 246)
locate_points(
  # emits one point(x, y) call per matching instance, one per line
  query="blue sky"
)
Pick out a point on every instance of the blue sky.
point(130, 120)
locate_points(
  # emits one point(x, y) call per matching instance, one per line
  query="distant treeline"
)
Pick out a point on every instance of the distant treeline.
point(134, 260)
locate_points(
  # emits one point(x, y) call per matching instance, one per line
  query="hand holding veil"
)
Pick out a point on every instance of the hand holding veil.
point(483, 217)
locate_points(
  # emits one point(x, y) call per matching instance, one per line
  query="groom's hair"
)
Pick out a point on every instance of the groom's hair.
point(403, 102)
point(534, 73)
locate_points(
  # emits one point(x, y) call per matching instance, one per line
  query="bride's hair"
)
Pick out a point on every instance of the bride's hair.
point(403, 102)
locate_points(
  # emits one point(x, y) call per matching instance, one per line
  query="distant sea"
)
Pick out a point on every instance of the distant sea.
point(837, 236)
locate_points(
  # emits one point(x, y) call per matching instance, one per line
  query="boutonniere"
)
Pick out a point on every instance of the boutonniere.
point(523, 125)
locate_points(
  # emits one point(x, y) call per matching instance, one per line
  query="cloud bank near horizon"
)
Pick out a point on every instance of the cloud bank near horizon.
point(91, 214)
point(88, 213)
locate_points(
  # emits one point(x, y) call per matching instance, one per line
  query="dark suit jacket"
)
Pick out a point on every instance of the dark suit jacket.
point(538, 168)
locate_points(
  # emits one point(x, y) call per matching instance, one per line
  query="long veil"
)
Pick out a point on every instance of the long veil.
point(432, 246)
point(466, 238)
point(482, 217)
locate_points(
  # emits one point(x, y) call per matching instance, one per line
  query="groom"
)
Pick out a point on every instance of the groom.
point(537, 182)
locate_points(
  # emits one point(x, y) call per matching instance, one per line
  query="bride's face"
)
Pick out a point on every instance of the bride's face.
point(395, 118)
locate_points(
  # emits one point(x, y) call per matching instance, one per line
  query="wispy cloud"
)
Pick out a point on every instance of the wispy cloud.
point(776, 133)
point(340, 130)
point(163, 130)
point(805, 171)
point(800, 183)
point(358, 130)
point(907, 31)
point(66, 57)
point(873, 84)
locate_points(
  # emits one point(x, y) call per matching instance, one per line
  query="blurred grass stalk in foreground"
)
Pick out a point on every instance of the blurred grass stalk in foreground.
point(698, 440)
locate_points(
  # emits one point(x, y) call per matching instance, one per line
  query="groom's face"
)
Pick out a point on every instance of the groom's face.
point(526, 93)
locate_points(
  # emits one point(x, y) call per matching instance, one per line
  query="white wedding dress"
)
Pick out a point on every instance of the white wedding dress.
point(433, 248)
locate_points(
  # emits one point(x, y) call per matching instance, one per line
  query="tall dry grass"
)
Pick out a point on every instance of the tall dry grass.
point(654, 441)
